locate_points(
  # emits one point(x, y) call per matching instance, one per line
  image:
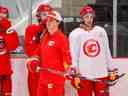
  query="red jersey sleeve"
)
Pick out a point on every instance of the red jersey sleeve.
point(64, 49)
point(30, 39)
point(37, 52)
point(12, 40)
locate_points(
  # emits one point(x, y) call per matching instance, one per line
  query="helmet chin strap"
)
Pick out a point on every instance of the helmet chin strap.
point(87, 28)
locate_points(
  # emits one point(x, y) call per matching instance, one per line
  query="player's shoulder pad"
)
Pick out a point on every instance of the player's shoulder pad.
point(33, 27)
point(76, 32)
point(99, 28)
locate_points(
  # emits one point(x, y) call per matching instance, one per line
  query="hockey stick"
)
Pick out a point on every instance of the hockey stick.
point(53, 71)
point(71, 75)
point(109, 82)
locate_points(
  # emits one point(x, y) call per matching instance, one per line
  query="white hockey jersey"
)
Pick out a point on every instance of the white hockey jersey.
point(90, 52)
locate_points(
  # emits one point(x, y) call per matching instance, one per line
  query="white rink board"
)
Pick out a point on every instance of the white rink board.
point(121, 88)
point(20, 78)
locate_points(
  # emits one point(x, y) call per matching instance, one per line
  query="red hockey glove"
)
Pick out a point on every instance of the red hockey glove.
point(75, 80)
point(32, 64)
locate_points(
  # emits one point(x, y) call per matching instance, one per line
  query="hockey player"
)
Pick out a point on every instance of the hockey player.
point(54, 57)
point(33, 31)
point(8, 42)
point(32, 39)
point(91, 56)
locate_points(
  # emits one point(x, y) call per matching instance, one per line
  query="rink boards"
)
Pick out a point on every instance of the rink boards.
point(20, 78)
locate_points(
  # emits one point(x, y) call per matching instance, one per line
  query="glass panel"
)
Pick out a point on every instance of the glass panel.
point(70, 11)
point(122, 28)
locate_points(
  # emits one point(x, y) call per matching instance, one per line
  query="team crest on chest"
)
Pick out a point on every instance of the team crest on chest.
point(91, 48)
point(51, 43)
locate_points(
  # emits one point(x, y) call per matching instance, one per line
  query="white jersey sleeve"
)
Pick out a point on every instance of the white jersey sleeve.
point(109, 62)
point(75, 46)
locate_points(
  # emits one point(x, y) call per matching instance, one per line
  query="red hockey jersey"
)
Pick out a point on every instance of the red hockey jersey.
point(32, 38)
point(8, 42)
point(54, 51)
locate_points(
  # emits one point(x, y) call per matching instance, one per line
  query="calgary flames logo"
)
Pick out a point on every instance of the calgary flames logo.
point(2, 46)
point(91, 48)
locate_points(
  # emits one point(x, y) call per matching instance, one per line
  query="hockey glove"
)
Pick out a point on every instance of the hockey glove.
point(113, 74)
point(32, 64)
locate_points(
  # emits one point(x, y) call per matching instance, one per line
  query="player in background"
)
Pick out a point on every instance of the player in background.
point(32, 39)
point(8, 42)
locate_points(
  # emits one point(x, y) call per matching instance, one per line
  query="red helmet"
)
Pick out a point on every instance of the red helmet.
point(4, 10)
point(85, 10)
point(43, 8)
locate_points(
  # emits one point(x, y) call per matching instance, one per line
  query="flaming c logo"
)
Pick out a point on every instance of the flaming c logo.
point(91, 48)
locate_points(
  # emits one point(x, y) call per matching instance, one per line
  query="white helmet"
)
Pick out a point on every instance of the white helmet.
point(55, 15)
